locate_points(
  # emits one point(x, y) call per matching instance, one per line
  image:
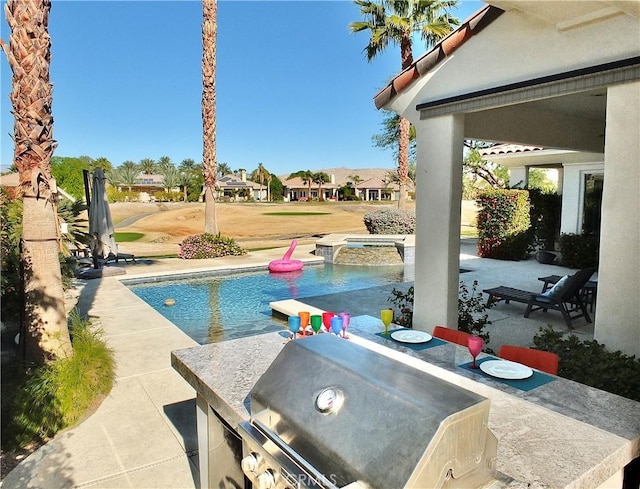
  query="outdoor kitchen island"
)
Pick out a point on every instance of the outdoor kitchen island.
point(558, 434)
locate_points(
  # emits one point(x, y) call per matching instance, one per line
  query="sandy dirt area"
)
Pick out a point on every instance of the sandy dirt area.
point(252, 225)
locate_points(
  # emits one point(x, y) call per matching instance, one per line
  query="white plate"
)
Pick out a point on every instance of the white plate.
point(503, 369)
point(411, 336)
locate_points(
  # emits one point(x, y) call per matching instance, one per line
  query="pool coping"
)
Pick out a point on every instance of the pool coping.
point(329, 246)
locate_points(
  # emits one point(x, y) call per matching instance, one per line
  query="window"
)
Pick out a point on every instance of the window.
point(592, 205)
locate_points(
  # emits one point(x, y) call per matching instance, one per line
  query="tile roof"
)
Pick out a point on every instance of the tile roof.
point(233, 181)
point(149, 179)
point(438, 53)
point(503, 149)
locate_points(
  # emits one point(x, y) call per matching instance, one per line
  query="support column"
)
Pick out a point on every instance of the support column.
point(519, 175)
point(618, 308)
point(202, 428)
point(438, 202)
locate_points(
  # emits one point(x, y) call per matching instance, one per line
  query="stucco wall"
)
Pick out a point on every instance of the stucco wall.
point(530, 48)
point(618, 307)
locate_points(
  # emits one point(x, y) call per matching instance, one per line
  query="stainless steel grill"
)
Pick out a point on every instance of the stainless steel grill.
point(329, 413)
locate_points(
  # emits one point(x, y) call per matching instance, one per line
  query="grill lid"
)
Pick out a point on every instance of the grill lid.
point(356, 415)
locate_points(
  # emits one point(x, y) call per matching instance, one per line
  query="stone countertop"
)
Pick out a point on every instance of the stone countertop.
point(224, 373)
point(610, 412)
point(561, 434)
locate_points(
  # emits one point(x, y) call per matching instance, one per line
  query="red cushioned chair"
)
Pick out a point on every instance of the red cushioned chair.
point(542, 360)
point(452, 335)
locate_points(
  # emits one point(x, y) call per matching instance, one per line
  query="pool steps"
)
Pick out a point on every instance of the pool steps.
point(291, 307)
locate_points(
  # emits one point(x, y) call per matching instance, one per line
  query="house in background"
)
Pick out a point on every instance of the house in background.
point(558, 74)
point(373, 184)
point(237, 187)
point(580, 180)
point(231, 187)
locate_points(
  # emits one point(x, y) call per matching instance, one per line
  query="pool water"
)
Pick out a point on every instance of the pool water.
point(213, 308)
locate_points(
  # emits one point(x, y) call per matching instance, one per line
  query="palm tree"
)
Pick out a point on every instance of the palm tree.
point(187, 165)
point(45, 334)
point(189, 171)
point(306, 176)
point(164, 161)
point(103, 163)
point(170, 177)
point(356, 181)
point(185, 179)
point(128, 172)
point(113, 177)
point(224, 169)
point(320, 178)
point(147, 166)
point(269, 180)
point(209, 32)
point(261, 174)
point(394, 22)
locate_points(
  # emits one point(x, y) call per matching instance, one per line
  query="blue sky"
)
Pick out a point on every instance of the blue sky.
point(294, 90)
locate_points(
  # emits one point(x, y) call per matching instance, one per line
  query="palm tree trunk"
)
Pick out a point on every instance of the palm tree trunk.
point(406, 54)
point(209, 32)
point(210, 217)
point(45, 332)
point(403, 162)
point(45, 335)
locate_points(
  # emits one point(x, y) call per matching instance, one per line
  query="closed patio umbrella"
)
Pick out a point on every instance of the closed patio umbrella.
point(100, 224)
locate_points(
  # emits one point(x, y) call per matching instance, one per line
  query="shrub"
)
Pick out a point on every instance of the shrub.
point(209, 246)
point(164, 196)
point(390, 221)
point(468, 308)
point(115, 195)
point(503, 224)
point(545, 214)
point(590, 363)
point(49, 398)
point(403, 302)
point(579, 250)
point(10, 233)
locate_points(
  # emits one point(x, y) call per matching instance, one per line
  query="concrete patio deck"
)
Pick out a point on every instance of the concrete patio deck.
point(143, 434)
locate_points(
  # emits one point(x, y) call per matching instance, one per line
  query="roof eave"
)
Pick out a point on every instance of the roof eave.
point(449, 44)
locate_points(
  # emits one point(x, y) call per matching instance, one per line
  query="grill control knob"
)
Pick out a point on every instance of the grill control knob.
point(250, 463)
point(266, 480)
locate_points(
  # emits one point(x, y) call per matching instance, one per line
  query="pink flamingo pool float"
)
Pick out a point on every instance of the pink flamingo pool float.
point(286, 264)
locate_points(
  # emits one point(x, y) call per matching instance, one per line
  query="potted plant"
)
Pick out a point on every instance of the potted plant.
point(545, 256)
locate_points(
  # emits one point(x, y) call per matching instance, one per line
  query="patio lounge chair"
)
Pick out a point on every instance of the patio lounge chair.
point(121, 256)
point(85, 258)
point(564, 296)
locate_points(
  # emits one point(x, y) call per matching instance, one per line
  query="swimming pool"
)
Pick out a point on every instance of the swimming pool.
point(213, 308)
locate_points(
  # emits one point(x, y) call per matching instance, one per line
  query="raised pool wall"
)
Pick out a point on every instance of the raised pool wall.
point(329, 246)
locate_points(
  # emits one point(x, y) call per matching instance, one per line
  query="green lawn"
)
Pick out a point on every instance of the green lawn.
point(127, 237)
